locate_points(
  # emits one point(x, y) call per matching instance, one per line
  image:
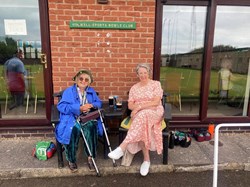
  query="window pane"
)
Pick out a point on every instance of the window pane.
point(22, 93)
point(229, 83)
point(183, 30)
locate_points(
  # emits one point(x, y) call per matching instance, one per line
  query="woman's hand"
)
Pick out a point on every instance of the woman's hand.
point(134, 112)
point(86, 107)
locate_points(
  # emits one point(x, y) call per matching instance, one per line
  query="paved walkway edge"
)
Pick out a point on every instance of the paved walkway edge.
point(65, 172)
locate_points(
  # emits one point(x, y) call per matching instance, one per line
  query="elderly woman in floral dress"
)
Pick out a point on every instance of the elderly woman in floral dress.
point(145, 132)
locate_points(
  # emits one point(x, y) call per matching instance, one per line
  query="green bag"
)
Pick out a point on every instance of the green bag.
point(41, 150)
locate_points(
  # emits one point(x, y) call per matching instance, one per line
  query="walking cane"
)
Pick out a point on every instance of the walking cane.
point(90, 154)
point(106, 135)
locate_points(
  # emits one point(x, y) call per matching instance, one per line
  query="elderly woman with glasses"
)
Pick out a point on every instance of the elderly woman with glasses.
point(77, 99)
point(145, 133)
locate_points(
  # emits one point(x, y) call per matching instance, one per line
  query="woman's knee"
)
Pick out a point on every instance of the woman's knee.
point(141, 144)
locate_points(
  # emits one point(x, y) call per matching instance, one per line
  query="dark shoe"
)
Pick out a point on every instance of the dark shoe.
point(72, 167)
point(91, 165)
point(12, 106)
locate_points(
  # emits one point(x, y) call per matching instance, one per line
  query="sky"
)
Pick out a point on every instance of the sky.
point(183, 27)
point(25, 10)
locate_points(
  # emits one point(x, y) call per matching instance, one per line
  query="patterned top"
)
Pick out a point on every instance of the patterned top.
point(146, 124)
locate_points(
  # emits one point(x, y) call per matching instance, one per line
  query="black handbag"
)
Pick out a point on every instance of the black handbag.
point(180, 138)
point(186, 142)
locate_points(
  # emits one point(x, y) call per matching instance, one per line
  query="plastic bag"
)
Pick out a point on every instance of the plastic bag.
point(44, 150)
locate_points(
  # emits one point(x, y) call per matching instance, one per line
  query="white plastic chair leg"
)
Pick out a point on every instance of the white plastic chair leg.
point(6, 103)
point(27, 103)
point(35, 104)
point(180, 101)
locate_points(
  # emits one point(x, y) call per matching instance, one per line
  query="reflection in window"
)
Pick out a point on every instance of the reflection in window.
point(229, 84)
point(183, 30)
point(20, 31)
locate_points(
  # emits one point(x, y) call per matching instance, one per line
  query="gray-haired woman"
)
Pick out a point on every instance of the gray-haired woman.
point(147, 113)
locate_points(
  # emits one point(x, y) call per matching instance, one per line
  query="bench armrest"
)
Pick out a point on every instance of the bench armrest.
point(54, 115)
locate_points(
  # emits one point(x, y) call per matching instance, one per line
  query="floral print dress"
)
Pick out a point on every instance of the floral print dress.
point(146, 124)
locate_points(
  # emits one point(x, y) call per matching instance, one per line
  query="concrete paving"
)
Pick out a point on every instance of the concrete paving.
point(17, 161)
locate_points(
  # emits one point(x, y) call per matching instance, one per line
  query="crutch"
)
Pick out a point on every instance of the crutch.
point(106, 135)
point(90, 154)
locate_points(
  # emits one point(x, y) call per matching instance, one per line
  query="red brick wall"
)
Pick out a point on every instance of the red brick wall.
point(24, 132)
point(74, 49)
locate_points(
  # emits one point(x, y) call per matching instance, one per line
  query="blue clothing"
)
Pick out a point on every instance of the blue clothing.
point(69, 108)
point(15, 65)
point(14, 72)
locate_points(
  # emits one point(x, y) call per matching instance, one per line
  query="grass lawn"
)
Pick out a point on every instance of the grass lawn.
point(32, 70)
point(190, 82)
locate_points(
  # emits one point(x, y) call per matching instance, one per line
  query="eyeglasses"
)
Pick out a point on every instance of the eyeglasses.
point(142, 73)
point(85, 79)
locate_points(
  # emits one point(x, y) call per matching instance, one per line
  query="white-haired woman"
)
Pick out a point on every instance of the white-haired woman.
point(77, 99)
point(147, 113)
